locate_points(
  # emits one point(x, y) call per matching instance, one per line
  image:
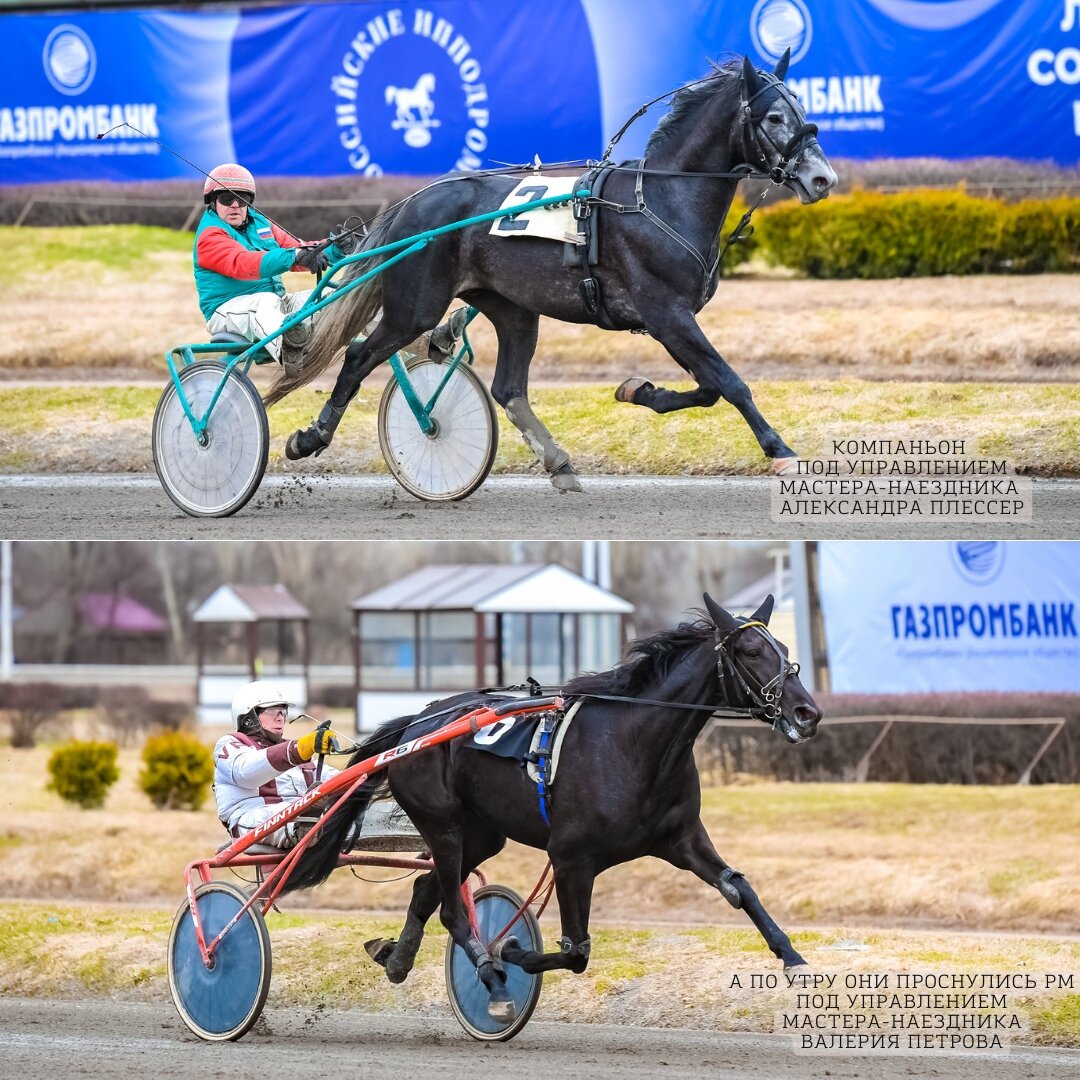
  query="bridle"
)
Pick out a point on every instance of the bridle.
point(736, 682)
point(755, 132)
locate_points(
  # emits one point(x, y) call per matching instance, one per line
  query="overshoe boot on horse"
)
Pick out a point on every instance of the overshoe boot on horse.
point(659, 219)
point(627, 787)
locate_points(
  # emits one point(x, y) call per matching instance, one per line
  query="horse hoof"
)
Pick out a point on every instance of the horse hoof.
point(396, 976)
point(630, 387)
point(379, 949)
point(292, 447)
point(782, 466)
point(504, 945)
point(502, 1012)
point(565, 479)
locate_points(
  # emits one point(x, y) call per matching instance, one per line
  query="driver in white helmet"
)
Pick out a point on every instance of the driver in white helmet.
point(257, 770)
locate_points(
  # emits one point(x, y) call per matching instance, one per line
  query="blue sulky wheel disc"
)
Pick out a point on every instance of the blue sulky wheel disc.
point(222, 1002)
point(495, 907)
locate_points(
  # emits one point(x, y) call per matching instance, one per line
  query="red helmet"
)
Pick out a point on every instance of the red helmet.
point(234, 178)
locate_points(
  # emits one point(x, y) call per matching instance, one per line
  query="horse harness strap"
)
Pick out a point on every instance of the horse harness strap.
point(587, 253)
point(543, 758)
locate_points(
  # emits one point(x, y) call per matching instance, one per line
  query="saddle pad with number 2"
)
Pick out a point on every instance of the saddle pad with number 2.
point(546, 222)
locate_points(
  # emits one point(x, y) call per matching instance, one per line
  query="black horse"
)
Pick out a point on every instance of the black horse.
point(659, 220)
point(627, 786)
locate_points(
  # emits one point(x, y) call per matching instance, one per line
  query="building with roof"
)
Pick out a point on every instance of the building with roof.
point(98, 628)
point(447, 628)
point(245, 632)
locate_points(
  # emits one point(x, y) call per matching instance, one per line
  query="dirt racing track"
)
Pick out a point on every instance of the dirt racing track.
point(42, 1039)
point(295, 507)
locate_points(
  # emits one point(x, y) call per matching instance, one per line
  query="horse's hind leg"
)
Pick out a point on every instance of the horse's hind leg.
point(399, 956)
point(680, 334)
point(394, 332)
point(695, 852)
point(516, 329)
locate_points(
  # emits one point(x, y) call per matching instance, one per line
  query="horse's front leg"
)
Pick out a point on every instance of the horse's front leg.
point(695, 852)
point(573, 886)
point(680, 334)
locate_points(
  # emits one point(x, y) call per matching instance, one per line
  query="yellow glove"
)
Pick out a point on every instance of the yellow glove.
point(319, 741)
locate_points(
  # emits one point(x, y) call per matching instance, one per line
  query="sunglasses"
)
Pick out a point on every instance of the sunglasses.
point(232, 200)
point(276, 711)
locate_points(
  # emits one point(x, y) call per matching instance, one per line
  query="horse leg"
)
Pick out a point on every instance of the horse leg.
point(399, 956)
point(393, 332)
point(516, 330)
point(573, 886)
point(691, 350)
point(695, 852)
point(447, 851)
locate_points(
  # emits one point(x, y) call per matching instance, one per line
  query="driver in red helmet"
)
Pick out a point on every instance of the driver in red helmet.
point(240, 256)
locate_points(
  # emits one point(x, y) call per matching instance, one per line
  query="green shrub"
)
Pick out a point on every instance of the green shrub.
point(178, 771)
point(875, 235)
point(83, 772)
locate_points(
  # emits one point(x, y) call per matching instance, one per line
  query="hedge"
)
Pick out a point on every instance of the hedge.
point(875, 235)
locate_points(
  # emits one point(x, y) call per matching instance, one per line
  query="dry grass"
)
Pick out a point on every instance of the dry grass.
point(1034, 426)
point(1005, 858)
point(77, 302)
point(680, 977)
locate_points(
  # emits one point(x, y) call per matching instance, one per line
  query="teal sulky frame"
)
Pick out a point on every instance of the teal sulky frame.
point(325, 293)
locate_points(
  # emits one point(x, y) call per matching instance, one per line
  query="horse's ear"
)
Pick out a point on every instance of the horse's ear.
point(719, 616)
point(763, 613)
point(751, 77)
point(780, 71)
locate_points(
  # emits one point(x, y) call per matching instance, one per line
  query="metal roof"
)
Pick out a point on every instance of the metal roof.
point(493, 587)
point(250, 603)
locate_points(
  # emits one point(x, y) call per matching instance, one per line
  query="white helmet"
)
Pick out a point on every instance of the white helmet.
point(257, 695)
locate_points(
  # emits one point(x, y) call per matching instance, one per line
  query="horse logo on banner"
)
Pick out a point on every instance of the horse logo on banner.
point(414, 110)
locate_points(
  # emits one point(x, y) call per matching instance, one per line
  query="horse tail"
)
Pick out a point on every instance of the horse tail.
point(318, 861)
point(342, 320)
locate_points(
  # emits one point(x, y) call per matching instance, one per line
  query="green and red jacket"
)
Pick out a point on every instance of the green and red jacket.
point(232, 262)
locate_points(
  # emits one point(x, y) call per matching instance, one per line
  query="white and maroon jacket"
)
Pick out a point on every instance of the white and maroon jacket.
point(250, 773)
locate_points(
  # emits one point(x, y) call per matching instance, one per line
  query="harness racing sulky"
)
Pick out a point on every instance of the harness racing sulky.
point(596, 773)
point(641, 251)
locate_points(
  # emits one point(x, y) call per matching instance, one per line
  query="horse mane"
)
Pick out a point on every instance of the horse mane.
point(725, 78)
point(645, 660)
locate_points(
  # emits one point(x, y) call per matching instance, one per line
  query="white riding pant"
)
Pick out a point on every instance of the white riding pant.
point(258, 314)
point(251, 819)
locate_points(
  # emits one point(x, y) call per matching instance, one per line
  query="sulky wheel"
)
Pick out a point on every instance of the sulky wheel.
point(454, 459)
point(217, 478)
point(221, 1002)
point(495, 907)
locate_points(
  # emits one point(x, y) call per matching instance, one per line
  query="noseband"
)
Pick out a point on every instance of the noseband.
point(754, 132)
point(736, 682)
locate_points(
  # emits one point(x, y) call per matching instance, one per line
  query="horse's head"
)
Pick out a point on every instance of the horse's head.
point(755, 672)
point(776, 137)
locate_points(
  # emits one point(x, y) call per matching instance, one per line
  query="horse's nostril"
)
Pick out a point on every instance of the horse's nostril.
point(821, 181)
point(806, 716)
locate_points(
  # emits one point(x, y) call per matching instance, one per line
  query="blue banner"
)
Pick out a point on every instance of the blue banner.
point(970, 615)
point(425, 87)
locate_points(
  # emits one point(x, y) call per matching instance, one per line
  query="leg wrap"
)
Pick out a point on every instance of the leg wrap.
point(727, 889)
point(537, 437)
point(327, 422)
